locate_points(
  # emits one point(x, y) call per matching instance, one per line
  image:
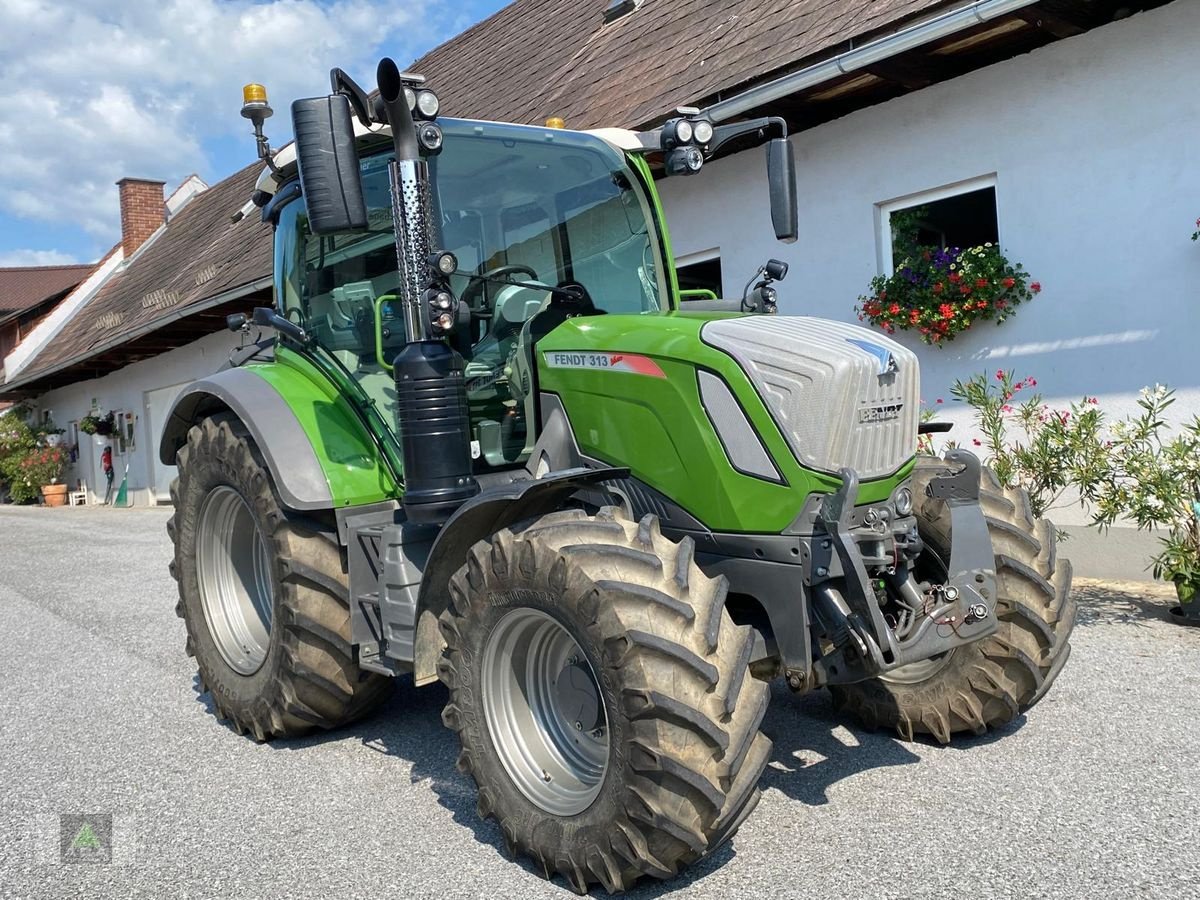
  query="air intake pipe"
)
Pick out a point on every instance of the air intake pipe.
point(431, 411)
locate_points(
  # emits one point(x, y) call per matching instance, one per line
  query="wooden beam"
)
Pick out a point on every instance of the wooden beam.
point(1049, 22)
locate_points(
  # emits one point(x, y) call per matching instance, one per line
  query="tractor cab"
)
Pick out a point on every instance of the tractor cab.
point(523, 211)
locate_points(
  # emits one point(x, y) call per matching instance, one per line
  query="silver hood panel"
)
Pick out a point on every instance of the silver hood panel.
point(840, 394)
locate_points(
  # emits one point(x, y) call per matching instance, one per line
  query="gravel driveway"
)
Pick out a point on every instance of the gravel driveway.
point(1095, 794)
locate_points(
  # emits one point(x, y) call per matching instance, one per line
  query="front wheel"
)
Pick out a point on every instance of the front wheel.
point(990, 682)
point(603, 697)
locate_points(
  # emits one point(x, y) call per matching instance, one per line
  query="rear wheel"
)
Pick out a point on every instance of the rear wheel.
point(263, 595)
point(603, 697)
point(990, 682)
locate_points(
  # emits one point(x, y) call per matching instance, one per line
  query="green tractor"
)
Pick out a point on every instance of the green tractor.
point(487, 444)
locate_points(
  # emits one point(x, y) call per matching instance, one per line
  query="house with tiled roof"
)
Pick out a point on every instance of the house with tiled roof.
point(1059, 130)
point(27, 295)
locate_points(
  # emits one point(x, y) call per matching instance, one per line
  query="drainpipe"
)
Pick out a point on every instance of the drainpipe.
point(905, 39)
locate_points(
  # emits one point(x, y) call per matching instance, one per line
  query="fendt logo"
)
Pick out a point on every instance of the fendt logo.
point(871, 414)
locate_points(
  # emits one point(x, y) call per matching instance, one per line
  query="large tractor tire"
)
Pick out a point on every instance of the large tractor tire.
point(989, 683)
point(263, 595)
point(603, 698)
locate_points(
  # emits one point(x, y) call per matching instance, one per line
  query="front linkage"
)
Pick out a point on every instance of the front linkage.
point(858, 572)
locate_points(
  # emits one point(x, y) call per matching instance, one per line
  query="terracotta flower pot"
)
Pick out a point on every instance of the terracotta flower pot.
point(54, 494)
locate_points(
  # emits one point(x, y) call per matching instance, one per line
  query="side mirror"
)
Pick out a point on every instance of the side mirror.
point(329, 173)
point(781, 177)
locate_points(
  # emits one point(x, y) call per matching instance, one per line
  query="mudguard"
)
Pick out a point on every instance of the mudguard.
point(289, 414)
point(483, 515)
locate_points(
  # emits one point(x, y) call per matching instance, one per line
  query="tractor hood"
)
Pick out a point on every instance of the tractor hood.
point(841, 395)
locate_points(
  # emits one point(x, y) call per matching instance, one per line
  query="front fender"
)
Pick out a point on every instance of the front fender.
point(318, 452)
point(483, 515)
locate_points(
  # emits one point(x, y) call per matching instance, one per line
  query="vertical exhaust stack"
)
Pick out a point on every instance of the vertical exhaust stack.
point(432, 412)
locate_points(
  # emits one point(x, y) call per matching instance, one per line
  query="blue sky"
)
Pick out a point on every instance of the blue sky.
point(96, 90)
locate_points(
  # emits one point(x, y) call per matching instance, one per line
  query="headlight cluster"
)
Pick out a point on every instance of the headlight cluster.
point(425, 106)
point(443, 305)
point(683, 142)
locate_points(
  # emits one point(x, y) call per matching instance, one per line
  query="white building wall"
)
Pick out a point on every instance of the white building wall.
point(133, 389)
point(1093, 144)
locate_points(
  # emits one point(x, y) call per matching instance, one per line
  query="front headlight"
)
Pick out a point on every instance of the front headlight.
point(904, 501)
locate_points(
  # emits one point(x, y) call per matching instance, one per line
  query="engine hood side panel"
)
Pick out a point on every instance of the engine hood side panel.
point(645, 412)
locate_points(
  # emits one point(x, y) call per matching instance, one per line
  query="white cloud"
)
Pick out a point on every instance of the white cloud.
point(97, 90)
point(35, 258)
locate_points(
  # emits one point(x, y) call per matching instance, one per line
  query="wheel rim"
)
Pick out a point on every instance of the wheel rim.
point(932, 568)
point(544, 712)
point(233, 569)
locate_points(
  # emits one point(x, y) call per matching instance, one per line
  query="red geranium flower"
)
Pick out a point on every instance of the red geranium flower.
point(965, 290)
point(955, 278)
point(981, 282)
point(1036, 287)
point(1009, 282)
point(937, 288)
point(894, 309)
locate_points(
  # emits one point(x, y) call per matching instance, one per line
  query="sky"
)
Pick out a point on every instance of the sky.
point(98, 90)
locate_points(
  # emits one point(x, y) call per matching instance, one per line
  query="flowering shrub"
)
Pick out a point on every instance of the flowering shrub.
point(16, 441)
point(1154, 480)
point(39, 466)
point(1133, 469)
point(1028, 444)
point(941, 293)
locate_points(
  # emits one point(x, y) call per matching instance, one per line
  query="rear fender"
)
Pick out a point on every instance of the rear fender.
point(319, 454)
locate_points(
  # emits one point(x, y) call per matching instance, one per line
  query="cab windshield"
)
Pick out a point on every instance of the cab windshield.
point(524, 209)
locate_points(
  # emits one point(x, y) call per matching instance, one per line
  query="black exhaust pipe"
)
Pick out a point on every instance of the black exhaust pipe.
point(431, 392)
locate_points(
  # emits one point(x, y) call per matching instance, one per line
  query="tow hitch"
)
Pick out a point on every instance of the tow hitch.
point(943, 616)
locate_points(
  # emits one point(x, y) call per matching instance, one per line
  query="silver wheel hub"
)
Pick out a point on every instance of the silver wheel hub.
point(544, 712)
point(234, 574)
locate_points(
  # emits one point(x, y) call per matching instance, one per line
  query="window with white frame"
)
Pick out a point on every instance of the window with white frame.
point(954, 216)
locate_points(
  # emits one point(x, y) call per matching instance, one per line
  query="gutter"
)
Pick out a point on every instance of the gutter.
point(909, 38)
point(217, 300)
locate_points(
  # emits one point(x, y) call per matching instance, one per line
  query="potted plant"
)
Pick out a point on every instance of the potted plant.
point(941, 293)
point(93, 423)
point(50, 433)
point(1154, 480)
point(41, 469)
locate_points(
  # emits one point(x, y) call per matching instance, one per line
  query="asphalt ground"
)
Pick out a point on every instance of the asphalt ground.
point(1094, 794)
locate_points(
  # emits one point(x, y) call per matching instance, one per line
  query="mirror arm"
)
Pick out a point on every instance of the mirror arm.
point(344, 84)
point(765, 127)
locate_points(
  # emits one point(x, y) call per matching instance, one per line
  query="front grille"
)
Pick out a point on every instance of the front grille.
point(821, 382)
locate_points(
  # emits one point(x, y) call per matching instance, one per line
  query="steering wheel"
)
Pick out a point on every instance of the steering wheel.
point(475, 285)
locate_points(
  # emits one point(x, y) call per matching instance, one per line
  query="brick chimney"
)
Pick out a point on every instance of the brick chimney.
point(142, 211)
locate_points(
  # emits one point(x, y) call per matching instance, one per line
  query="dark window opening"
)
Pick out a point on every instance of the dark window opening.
point(701, 276)
point(964, 220)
